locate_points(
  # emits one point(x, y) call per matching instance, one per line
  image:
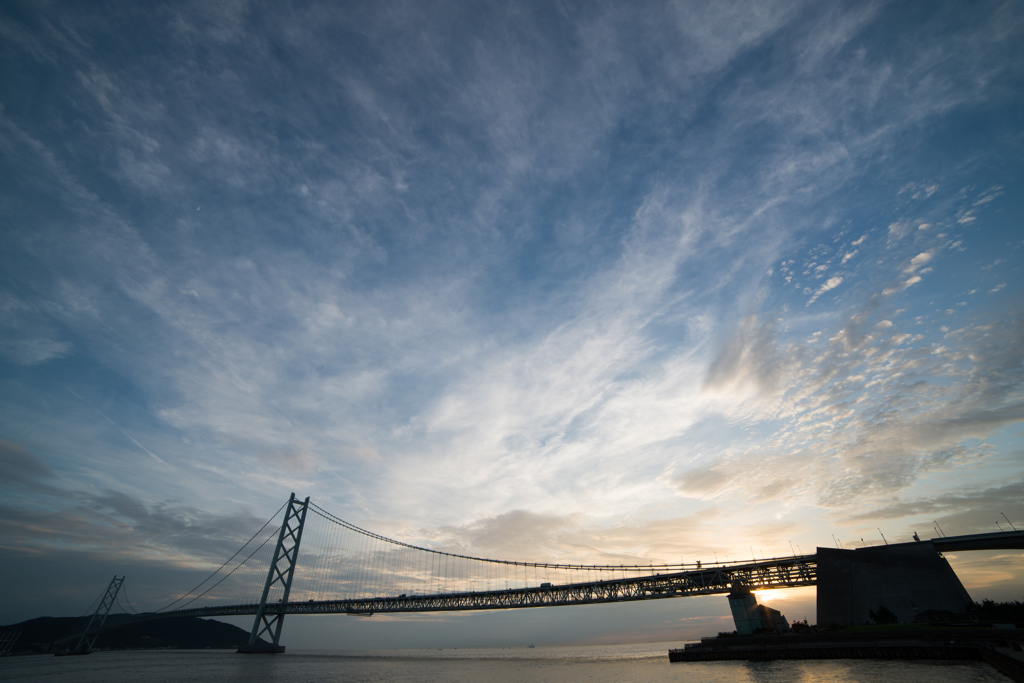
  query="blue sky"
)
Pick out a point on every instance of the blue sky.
point(551, 281)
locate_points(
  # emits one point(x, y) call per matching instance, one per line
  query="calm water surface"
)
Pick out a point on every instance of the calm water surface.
point(596, 664)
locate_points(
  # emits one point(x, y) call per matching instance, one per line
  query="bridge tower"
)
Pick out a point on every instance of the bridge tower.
point(86, 642)
point(270, 618)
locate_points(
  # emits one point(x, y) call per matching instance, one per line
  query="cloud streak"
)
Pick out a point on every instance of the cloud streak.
point(489, 277)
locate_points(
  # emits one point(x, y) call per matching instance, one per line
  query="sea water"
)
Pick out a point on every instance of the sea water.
point(646, 663)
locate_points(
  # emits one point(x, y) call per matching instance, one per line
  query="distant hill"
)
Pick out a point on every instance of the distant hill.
point(190, 634)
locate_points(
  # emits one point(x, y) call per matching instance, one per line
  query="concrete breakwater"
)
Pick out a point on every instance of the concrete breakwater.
point(946, 644)
point(829, 652)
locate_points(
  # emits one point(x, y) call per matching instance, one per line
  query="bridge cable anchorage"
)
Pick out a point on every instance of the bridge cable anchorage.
point(287, 554)
point(226, 562)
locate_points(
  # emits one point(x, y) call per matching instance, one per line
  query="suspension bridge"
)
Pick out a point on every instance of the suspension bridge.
point(349, 570)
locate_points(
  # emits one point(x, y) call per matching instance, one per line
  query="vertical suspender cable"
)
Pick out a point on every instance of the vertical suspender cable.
point(360, 564)
point(339, 565)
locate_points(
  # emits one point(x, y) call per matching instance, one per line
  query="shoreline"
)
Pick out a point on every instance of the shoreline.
point(1003, 648)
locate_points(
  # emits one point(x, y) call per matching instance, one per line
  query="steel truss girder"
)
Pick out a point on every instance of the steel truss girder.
point(791, 572)
point(786, 574)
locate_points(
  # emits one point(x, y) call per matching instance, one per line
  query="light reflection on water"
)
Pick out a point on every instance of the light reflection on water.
point(592, 664)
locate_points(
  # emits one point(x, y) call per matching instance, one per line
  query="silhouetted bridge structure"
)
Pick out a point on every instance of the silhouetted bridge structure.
point(349, 570)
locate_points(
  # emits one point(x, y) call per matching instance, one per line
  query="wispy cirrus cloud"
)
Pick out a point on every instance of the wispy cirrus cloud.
point(578, 269)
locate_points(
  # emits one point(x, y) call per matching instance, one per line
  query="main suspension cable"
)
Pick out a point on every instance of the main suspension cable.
point(597, 567)
point(127, 601)
point(237, 567)
point(226, 563)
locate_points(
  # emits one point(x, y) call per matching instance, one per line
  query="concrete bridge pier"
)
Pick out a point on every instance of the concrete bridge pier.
point(750, 616)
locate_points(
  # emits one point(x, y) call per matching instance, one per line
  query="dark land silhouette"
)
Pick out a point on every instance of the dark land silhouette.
point(37, 635)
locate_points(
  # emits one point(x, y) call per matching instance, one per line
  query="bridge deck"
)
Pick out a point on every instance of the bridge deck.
point(786, 572)
point(789, 572)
